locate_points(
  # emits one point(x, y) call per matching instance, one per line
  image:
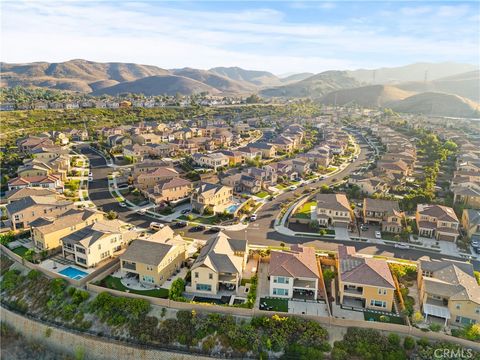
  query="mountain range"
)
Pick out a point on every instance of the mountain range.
point(420, 87)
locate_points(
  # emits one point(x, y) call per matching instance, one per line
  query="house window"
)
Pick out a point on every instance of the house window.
point(210, 276)
point(282, 292)
point(378, 303)
point(147, 278)
point(204, 287)
point(196, 275)
point(382, 291)
point(458, 306)
point(280, 280)
point(82, 261)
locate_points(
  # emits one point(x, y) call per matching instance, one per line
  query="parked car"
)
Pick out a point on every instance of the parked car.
point(90, 174)
point(122, 204)
point(293, 187)
point(214, 229)
point(197, 228)
point(253, 217)
point(156, 226)
point(90, 178)
point(180, 224)
point(185, 211)
point(323, 177)
point(378, 234)
point(402, 246)
point(142, 211)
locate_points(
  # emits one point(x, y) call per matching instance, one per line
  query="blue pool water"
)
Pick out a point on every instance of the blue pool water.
point(73, 273)
point(231, 209)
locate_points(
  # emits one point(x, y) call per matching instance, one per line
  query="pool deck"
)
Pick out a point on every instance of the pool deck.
point(56, 267)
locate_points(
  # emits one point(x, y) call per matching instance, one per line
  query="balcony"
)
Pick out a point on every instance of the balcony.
point(129, 266)
point(357, 291)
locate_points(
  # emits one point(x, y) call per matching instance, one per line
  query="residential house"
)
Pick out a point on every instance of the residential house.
point(154, 260)
point(333, 210)
point(268, 150)
point(219, 266)
point(17, 194)
point(467, 193)
point(148, 180)
point(98, 242)
point(294, 272)
point(214, 160)
point(437, 221)
point(170, 190)
point(383, 212)
point(448, 290)
point(217, 198)
point(47, 231)
point(48, 182)
point(23, 211)
point(471, 223)
point(365, 283)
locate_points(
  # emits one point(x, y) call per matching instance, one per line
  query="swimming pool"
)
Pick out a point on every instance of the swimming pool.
point(73, 273)
point(231, 209)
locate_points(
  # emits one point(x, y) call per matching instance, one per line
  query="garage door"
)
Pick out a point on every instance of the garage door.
point(446, 237)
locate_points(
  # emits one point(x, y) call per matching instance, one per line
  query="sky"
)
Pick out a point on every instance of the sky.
point(281, 37)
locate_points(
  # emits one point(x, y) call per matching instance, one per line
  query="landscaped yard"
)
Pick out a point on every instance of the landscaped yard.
point(262, 194)
point(305, 211)
point(211, 220)
point(21, 250)
point(373, 316)
point(280, 187)
point(115, 284)
point(276, 304)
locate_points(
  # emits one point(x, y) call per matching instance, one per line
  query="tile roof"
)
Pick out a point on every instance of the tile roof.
point(333, 202)
point(146, 252)
point(364, 271)
point(439, 212)
point(300, 261)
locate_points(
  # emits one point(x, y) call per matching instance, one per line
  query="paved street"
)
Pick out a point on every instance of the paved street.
point(261, 231)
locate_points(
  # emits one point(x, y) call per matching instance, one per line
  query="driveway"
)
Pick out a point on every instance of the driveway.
point(307, 308)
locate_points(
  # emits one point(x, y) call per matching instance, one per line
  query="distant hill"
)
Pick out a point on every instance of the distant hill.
point(465, 85)
point(431, 103)
point(412, 72)
point(74, 75)
point(159, 85)
point(258, 78)
point(368, 96)
point(314, 86)
point(215, 80)
point(296, 77)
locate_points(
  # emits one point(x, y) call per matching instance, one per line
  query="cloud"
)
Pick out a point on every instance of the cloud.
point(175, 35)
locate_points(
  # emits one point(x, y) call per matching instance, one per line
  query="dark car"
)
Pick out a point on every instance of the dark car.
point(197, 228)
point(214, 229)
point(180, 224)
point(185, 211)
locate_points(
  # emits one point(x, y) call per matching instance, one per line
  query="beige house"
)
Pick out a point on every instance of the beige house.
point(437, 221)
point(467, 193)
point(471, 222)
point(95, 243)
point(22, 212)
point(47, 231)
point(383, 212)
point(215, 197)
point(219, 266)
point(155, 259)
point(364, 282)
point(148, 180)
point(448, 290)
point(214, 160)
point(333, 210)
point(170, 190)
point(294, 272)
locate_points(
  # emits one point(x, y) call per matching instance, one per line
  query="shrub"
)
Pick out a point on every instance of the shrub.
point(177, 289)
point(7, 237)
point(408, 343)
point(394, 339)
point(48, 332)
point(435, 327)
point(34, 275)
point(11, 279)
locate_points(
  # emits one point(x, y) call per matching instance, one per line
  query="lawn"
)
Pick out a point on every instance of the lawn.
point(262, 194)
point(21, 250)
point(276, 304)
point(305, 211)
point(281, 187)
point(115, 284)
point(373, 316)
point(211, 220)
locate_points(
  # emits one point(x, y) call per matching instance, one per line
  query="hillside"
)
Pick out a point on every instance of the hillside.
point(368, 96)
point(432, 103)
point(257, 78)
point(412, 72)
point(217, 81)
point(296, 77)
point(313, 86)
point(465, 85)
point(159, 85)
point(74, 75)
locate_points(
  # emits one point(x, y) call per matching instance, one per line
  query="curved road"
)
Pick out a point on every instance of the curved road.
point(260, 232)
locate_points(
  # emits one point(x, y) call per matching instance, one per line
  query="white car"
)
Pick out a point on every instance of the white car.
point(253, 217)
point(90, 174)
point(378, 234)
point(156, 226)
point(90, 178)
point(122, 204)
point(323, 177)
point(142, 211)
point(293, 187)
point(402, 246)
